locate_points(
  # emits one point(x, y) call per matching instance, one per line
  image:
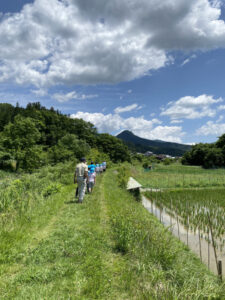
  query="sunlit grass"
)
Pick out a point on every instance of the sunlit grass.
point(178, 176)
point(109, 247)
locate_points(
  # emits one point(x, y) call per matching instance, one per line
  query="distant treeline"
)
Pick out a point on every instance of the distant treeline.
point(35, 136)
point(207, 155)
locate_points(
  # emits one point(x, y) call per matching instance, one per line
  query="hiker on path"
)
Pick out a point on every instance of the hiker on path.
point(80, 176)
point(92, 167)
point(91, 180)
point(97, 169)
point(104, 166)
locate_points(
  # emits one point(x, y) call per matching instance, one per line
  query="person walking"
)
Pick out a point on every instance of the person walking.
point(80, 176)
point(91, 180)
point(104, 166)
point(92, 167)
point(97, 169)
point(100, 168)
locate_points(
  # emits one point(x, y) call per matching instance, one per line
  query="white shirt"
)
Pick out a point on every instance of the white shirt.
point(81, 168)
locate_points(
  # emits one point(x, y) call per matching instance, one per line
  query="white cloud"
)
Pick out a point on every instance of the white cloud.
point(220, 119)
point(40, 92)
point(131, 107)
point(149, 129)
point(221, 107)
point(92, 42)
point(71, 95)
point(186, 61)
point(191, 107)
point(129, 91)
point(211, 128)
point(176, 121)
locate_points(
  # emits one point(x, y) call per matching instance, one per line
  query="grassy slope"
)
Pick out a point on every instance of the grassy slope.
point(107, 248)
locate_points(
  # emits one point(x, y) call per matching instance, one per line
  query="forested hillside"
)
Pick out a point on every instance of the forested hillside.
point(138, 144)
point(35, 136)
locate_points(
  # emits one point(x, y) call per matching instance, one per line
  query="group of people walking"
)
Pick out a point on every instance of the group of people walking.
point(85, 176)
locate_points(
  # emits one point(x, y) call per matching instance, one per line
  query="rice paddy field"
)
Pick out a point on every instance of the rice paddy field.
point(179, 176)
point(193, 199)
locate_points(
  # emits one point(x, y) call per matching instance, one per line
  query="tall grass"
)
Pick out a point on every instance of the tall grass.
point(18, 196)
point(27, 202)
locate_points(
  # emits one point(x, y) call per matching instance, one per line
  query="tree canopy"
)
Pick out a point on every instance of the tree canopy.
point(207, 155)
point(34, 136)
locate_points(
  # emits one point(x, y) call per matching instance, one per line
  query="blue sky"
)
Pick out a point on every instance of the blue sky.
point(156, 68)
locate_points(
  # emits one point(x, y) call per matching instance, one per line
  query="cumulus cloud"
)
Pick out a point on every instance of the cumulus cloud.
point(60, 97)
point(191, 107)
point(211, 128)
point(149, 129)
point(91, 42)
point(131, 107)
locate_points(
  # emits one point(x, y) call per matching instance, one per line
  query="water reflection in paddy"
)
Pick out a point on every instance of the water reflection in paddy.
point(198, 245)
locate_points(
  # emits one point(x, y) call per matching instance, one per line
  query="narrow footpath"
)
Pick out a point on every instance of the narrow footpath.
point(70, 257)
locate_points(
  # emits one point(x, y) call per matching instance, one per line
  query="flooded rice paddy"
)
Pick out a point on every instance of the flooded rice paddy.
point(196, 243)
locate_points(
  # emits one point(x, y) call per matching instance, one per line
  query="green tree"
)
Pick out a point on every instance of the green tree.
point(197, 155)
point(20, 138)
point(114, 147)
point(221, 141)
point(213, 158)
point(207, 155)
point(69, 147)
point(6, 114)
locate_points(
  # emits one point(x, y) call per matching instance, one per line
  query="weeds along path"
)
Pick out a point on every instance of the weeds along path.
point(70, 256)
point(24, 237)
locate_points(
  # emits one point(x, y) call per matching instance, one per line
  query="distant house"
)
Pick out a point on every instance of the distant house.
point(148, 153)
point(161, 156)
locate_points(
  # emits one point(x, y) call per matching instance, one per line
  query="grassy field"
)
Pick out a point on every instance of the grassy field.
point(109, 247)
point(178, 176)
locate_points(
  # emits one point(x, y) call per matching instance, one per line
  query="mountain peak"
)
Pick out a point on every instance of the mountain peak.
point(138, 144)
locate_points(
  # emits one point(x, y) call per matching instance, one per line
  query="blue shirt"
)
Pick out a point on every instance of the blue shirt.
point(92, 168)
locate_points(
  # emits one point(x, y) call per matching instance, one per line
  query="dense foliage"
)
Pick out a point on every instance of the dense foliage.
point(207, 155)
point(35, 136)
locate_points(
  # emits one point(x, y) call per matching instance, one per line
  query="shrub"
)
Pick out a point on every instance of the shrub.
point(123, 175)
point(53, 188)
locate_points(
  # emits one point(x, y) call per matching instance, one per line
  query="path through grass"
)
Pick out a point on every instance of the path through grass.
point(109, 247)
point(71, 257)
